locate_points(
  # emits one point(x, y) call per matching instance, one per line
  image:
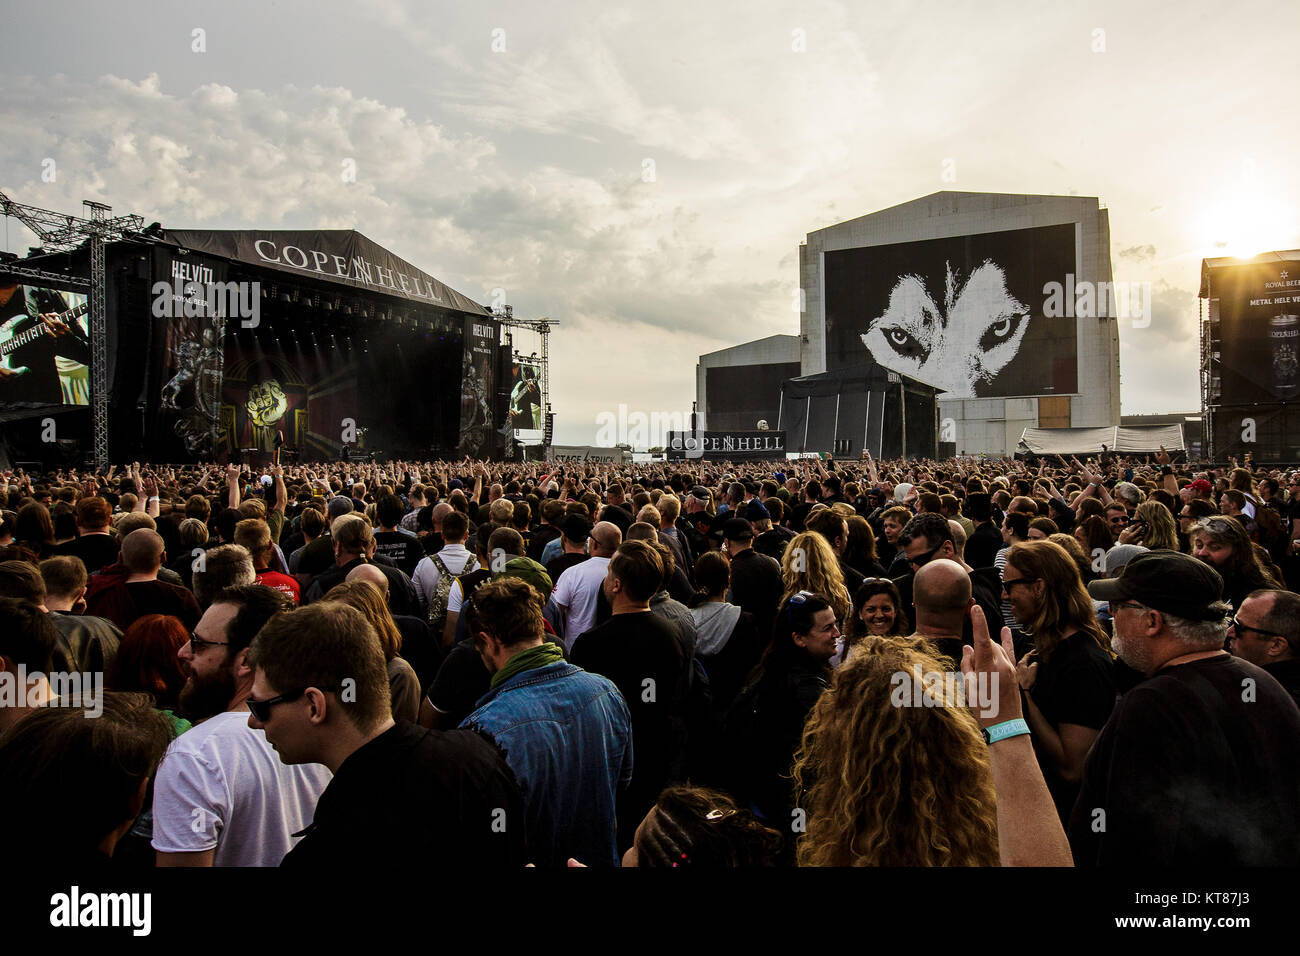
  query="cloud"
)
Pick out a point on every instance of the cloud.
point(1138, 253)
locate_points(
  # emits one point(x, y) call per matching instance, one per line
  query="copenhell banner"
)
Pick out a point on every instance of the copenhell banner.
point(726, 445)
point(336, 255)
point(1259, 327)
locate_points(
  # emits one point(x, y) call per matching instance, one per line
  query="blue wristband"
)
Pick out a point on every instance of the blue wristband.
point(1008, 728)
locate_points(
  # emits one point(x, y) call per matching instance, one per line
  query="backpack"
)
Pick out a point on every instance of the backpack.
point(441, 591)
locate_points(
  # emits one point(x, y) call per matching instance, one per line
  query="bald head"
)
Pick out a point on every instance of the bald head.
point(142, 551)
point(606, 537)
point(371, 573)
point(958, 538)
point(941, 593)
point(440, 511)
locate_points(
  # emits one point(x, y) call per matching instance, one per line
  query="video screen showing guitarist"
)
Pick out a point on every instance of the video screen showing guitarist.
point(39, 332)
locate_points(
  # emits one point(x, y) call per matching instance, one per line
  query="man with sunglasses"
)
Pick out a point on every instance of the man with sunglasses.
point(1198, 765)
point(221, 796)
point(1266, 632)
point(400, 794)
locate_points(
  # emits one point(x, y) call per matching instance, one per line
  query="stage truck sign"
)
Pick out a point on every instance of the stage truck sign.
point(966, 314)
point(580, 453)
point(1259, 329)
point(730, 446)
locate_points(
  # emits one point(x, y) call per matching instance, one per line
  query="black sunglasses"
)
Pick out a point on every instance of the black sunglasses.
point(1009, 583)
point(197, 643)
point(261, 709)
point(921, 560)
point(1238, 626)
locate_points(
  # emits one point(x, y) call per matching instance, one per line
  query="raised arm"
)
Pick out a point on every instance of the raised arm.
point(232, 486)
point(1029, 830)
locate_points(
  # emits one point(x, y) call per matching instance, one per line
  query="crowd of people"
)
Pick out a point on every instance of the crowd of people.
point(709, 664)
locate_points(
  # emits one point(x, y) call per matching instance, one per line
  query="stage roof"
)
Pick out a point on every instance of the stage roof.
point(342, 256)
point(1227, 262)
point(868, 377)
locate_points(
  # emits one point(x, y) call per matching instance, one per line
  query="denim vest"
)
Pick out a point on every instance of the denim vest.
point(567, 735)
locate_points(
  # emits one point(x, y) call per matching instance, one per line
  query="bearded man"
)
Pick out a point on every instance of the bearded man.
point(222, 797)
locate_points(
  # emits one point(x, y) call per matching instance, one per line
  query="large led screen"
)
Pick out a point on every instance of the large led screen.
point(966, 314)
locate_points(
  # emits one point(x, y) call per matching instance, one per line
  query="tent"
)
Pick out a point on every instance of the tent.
point(1122, 439)
point(865, 406)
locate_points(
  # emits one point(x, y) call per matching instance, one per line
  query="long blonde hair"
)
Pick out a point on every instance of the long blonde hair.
point(1066, 607)
point(888, 785)
point(369, 600)
point(1161, 533)
point(809, 565)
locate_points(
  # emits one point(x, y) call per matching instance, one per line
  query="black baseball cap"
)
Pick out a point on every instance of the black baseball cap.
point(1168, 581)
point(699, 491)
point(737, 529)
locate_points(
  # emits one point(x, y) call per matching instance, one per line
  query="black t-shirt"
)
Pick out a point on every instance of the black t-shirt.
point(1075, 685)
point(1287, 673)
point(416, 797)
point(631, 649)
point(1197, 766)
point(95, 550)
point(462, 680)
point(318, 556)
point(983, 545)
point(540, 538)
point(402, 549)
point(1291, 511)
point(562, 563)
point(420, 649)
point(756, 586)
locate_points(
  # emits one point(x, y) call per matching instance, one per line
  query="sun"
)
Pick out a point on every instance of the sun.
point(1247, 221)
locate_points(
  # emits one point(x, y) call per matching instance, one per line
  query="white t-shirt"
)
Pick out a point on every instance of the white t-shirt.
point(222, 785)
point(578, 590)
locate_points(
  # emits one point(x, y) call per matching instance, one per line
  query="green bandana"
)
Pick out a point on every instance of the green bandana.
point(545, 653)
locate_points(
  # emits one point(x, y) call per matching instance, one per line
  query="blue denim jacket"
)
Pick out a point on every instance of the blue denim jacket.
point(567, 735)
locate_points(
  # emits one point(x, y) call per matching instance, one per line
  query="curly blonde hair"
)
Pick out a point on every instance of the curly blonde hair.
point(809, 565)
point(887, 785)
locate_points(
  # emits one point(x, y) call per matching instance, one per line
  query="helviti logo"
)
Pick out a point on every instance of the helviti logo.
point(192, 294)
point(75, 909)
point(24, 688)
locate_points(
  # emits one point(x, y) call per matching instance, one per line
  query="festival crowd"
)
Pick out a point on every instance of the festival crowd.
point(966, 662)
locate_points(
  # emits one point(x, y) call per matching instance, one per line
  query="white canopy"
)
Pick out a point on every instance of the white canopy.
point(1124, 439)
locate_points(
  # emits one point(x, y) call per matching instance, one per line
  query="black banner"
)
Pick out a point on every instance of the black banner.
point(478, 386)
point(1259, 329)
point(337, 255)
point(193, 333)
point(964, 314)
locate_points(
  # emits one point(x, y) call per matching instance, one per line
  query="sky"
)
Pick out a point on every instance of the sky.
point(644, 174)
